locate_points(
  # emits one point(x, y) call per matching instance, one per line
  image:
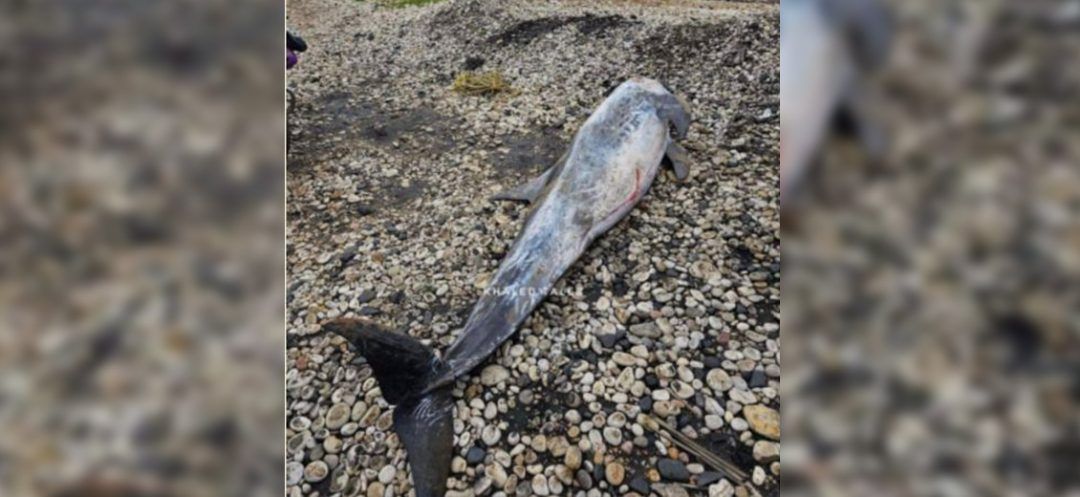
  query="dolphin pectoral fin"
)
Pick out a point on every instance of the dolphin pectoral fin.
point(869, 132)
point(526, 192)
point(425, 426)
point(676, 156)
point(873, 138)
point(856, 111)
point(531, 190)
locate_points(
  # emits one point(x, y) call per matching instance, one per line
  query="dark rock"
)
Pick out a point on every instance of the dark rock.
point(640, 485)
point(652, 381)
point(757, 379)
point(609, 340)
point(365, 296)
point(673, 470)
point(583, 479)
point(475, 455)
point(708, 478)
point(368, 311)
point(619, 287)
point(348, 255)
point(474, 63)
point(712, 362)
point(645, 404)
point(685, 419)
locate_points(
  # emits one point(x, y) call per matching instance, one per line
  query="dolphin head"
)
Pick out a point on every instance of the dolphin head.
point(671, 107)
point(648, 84)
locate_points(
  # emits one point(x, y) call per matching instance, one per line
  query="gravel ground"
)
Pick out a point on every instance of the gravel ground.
point(935, 292)
point(140, 275)
point(673, 313)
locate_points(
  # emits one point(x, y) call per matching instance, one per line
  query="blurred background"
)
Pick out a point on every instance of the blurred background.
point(931, 247)
point(141, 247)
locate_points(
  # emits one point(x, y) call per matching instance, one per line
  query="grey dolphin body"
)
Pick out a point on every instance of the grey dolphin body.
point(613, 160)
point(826, 49)
point(611, 163)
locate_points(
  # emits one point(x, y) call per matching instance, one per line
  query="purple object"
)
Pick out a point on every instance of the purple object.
point(290, 59)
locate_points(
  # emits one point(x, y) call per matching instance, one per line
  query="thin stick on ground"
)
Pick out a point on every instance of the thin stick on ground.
point(690, 445)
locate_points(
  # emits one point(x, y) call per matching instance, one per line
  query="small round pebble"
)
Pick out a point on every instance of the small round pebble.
point(294, 473)
point(386, 475)
point(671, 469)
point(614, 473)
point(316, 471)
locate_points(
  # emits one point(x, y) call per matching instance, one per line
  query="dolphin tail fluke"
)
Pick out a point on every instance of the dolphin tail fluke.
point(423, 419)
point(401, 364)
point(425, 425)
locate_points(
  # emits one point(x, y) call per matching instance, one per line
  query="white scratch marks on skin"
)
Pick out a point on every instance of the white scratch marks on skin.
point(425, 410)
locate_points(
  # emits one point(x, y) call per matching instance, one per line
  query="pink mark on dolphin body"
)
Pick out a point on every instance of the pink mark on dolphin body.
point(634, 195)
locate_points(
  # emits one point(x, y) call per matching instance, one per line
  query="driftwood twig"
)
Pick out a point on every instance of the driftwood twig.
point(690, 445)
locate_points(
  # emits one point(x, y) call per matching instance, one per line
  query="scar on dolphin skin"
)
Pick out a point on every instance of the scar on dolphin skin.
point(634, 195)
point(620, 147)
